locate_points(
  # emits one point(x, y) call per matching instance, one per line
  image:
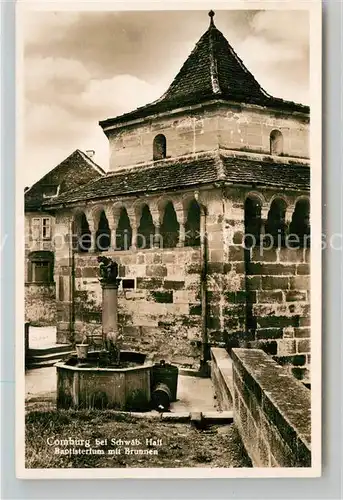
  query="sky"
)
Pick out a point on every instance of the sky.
point(82, 67)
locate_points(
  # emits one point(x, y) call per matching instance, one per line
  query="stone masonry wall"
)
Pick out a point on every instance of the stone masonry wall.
point(40, 304)
point(278, 282)
point(272, 411)
point(161, 314)
point(235, 127)
point(251, 298)
point(266, 293)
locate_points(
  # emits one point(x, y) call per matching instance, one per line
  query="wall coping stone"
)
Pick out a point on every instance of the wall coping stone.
point(286, 394)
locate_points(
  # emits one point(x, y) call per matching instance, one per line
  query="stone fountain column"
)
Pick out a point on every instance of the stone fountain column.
point(109, 284)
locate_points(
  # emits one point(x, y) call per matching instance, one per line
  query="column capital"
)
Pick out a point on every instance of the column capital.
point(110, 284)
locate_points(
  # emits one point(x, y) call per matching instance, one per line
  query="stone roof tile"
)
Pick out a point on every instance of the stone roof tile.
point(213, 70)
point(194, 170)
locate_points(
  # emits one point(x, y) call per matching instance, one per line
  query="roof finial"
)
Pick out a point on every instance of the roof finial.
point(211, 14)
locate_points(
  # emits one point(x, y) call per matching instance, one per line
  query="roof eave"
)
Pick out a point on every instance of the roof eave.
point(117, 123)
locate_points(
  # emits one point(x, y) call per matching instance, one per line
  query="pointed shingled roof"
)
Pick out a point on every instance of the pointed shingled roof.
point(212, 71)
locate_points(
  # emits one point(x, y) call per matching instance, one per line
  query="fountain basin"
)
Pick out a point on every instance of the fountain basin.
point(88, 385)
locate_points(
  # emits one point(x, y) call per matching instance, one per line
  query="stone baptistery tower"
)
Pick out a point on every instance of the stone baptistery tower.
point(214, 158)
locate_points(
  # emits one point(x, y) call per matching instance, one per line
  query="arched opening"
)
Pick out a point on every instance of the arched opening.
point(276, 142)
point(103, 234)
point(41, 267)
point(276, 223)
point(146, 229)
point(124, 231)
point(83, 233)
point(192, 226)
point(159, 147)
point(252, 221)
point(170, 227)
point(299, 228)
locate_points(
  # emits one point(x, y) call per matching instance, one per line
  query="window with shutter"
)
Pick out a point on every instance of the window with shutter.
point(35, 229)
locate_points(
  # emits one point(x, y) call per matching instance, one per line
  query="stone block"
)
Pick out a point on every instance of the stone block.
point(291, 255)
point(277, 321)
point(295, 296)
point(261, 254)
point(300, 283)
point(286, 347)
point(181, 296)
point(255, 283)
point(90, 272)
point(302, 332)
point(275, 282)
point(215, 268)
point(162, 297)
point(156, 271)
point(193, 269)
point(270, 297)
point(271, 269)
point(236, 253)
point(269, 333)
point(305, 322)
point(168, 257)
point(149, 283)
point(303, 269)
point(304, 346)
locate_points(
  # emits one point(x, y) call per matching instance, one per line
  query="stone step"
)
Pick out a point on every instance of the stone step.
point(50, 356)
point(58, 348)
point(42, 364)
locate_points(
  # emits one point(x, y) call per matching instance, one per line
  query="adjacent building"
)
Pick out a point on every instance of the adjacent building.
point(41, 237)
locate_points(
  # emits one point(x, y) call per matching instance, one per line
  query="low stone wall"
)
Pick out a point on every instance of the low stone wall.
point(272, 411)
point(221, 376)
point(40, 304)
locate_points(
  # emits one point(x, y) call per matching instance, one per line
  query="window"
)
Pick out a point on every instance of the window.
point(276, 223)
point(40, 269)
point(146, 230)
point(276, 143)
point(170, 227)
point(128, 284)
point(46, 228)
point(41, 272)
point(83, 233)
point(252, 221)
point(41, 228)
point(299, 228)
point(103, 234)
point(124, 231)
point(159, 147)
point(192, 226)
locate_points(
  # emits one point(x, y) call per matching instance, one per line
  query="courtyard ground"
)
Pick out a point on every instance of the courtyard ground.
point(179, 444)
point(137, 442)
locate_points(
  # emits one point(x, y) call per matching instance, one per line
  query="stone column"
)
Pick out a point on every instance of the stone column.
point(110, 330)
point(157, 223)
point(181, 218)
point(113, 232)
point(134, 237)
point(93, 236)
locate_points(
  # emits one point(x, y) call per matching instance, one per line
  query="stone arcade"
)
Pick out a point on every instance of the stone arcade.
point(212, 159)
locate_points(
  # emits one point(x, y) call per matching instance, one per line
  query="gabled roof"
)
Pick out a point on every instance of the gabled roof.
point(75, 171)
point(192, 170)
point(213, 70)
